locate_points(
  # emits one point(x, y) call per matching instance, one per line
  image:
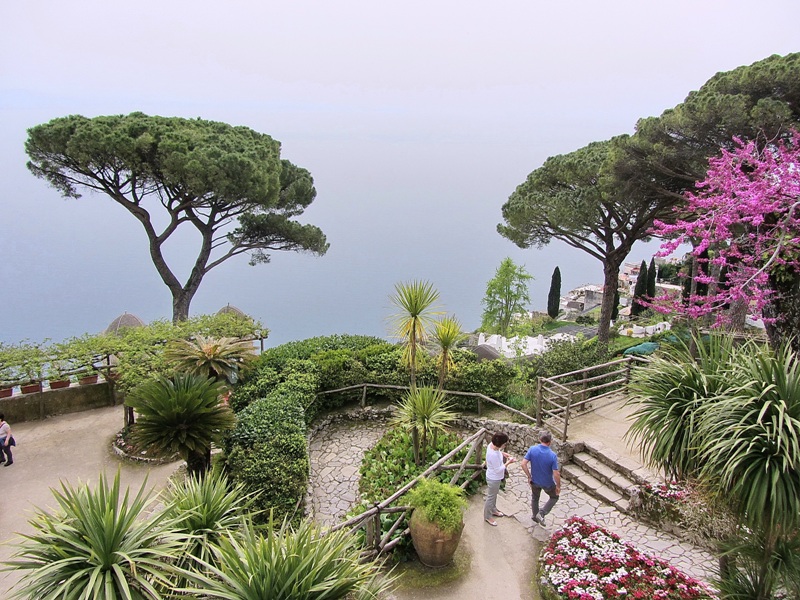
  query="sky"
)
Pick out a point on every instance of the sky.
point(416, 119)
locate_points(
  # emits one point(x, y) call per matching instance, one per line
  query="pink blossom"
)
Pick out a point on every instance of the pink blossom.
point(747, 211)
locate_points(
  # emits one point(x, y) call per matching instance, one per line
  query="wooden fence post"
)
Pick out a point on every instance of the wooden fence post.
point(539, 401)
point(566, 416)
point(628, 370)
point(374, 530)
point(364, 397)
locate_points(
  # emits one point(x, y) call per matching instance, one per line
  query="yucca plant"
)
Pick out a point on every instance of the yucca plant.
point(423, 412)
point(181, 414)
point(219, 358)
point(669, 396)
point(287, 564)
point(752, 438)
point(205, 510)
point(751, 450)
point(447, 334)
point(97, 545)
point(415, 300)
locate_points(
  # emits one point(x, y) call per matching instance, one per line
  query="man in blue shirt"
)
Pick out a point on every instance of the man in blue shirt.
point(541, 466)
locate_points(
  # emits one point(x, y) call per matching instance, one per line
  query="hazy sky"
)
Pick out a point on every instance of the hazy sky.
point(416, 119)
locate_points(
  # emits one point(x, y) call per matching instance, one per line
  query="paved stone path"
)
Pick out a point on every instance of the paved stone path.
point(336, 454)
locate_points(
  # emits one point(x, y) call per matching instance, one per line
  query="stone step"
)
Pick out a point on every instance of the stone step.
point(606, 474)
point(576, 475)
point(624, 465)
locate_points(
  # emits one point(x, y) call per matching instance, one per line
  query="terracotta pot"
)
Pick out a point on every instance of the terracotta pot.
point(31, 388)
point(6, 392)
point(58, 384)
point(434, 547)
point(88, 380)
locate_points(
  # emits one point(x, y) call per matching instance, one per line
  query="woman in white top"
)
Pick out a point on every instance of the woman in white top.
point(496, 462)
point(5, 442)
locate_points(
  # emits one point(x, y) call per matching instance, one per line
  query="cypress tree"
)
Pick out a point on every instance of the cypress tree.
point(554, 297)
point(651, 279)
point(639, 291)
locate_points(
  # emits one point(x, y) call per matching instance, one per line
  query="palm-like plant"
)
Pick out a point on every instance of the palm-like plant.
point(98, 546)
point(221, 358)
point(181, 414)
point(286, 564)
point(447, 334)
point(670, 395)
point(415, 301)
point(423, 411)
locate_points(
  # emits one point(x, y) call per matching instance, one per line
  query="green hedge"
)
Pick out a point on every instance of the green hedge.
point(267, 449)
point(278, 399)
point(277, 357)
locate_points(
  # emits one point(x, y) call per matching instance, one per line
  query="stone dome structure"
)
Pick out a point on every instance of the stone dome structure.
point(232, 310)
point(124, 320)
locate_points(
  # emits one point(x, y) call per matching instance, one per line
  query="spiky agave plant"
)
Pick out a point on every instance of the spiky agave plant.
point(98, 545)
point(750, 445)
point(287, 564)
point(206, 509)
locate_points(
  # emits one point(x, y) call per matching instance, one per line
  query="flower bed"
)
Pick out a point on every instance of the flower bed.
point(687, 510)
point(583, 561)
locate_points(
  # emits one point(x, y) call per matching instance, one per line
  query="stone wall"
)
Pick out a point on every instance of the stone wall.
point(76, 398)
point(520, 436)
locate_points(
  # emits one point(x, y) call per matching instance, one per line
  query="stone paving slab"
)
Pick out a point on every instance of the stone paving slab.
point(335, 454)
point(515, 499)
point(337, 451)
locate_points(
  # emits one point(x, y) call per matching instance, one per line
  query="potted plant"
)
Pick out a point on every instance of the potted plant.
point(58, 368)
point(83, 352)
point(7, 374)
point(87, 377)
point(29, 360)
point(437, 521)
point(56, 374)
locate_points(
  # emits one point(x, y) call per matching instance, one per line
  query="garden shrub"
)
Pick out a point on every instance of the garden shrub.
point(440, 503)
point(277, 357)
point(257, 385)
point(488, 377)
point(389, 465)
point(564, 356)
point(338, 369)
point(267, 449)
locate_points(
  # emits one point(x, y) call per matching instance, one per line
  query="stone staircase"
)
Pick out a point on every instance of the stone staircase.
point(606, 475)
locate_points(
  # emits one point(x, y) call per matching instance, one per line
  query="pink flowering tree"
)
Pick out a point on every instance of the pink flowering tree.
point(745, 216)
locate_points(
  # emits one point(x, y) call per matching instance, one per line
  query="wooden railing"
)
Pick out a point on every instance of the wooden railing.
point(378, 542)
point(479, 398)
point(574, 391)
